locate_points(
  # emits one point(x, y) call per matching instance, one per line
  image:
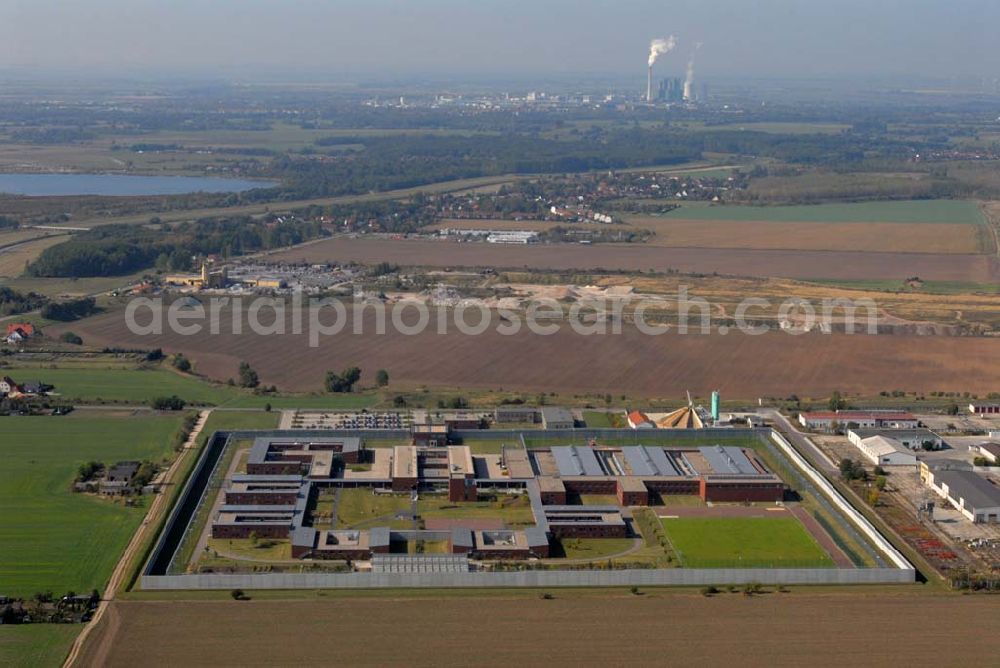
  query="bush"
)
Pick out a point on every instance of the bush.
point(171, 403)
point(238, 595)
point(70, 337)
point(74, 309)
point(709, 591)
point(248, 377)
point(181, 363)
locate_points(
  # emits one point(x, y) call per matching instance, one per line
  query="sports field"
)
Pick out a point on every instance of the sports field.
point(909, 211)
point(54, 539)
point(746, 542)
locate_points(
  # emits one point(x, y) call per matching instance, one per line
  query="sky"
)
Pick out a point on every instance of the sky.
point(467, 38)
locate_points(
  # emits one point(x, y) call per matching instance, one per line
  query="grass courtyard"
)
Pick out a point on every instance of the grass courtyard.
point(50, 537)
point(744, 543)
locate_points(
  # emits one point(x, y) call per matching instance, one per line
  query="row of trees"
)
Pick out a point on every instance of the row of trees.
point(114, 250)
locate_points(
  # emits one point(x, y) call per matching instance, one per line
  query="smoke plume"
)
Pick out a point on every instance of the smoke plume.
point(660, 46)
point(689, 78)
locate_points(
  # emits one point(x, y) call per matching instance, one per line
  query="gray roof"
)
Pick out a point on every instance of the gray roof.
point(258, 451)
point(976, 491)
point(727, 460)
point(258, 509)
point(646, 461)
point(558, 510)
point(378, 537)
point(536, 537)
point(556, 414)
point(268, 477)
point(906, 434)
point(573, 460)
point(462, 537)
point(304, 537)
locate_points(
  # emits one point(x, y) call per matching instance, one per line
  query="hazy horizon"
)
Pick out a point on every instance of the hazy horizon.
point(438, 39)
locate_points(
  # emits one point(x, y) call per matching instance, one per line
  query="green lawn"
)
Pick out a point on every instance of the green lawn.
point(107, 381)
point(594, 548)
point(326, 401)
point(598, 420)
point(911, 211)
point(744, 542)
point(135, 386)
point(51, 538)
point(36, 645)
point(239, 421)
point(361, 508)
point(513, 510)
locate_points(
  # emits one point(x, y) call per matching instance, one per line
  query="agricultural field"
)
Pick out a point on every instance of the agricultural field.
point(50, 537)
point(916, 211)
point(633, 363)
point(671, 231)
point(650, 258)
point(36, 645)
point(15, 257)
point(744, 542)
point(799, 628)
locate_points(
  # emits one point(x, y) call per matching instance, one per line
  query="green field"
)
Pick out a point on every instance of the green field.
point(51, 538)
point(239, 421)
point(911, 211)
point(353, 401)
point(36, 645)
point(782, 128)
point(928, 287)
point(744, 543)
point(110, 382)
point(134, 385)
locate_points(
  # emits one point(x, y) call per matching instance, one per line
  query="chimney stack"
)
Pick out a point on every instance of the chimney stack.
point(649, 85)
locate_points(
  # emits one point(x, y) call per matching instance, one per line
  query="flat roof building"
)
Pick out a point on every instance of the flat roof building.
point(554, 417)
point(970, 493)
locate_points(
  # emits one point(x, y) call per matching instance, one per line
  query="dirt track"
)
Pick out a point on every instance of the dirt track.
point(645, 257)
point(866, 628)
point(741, 366)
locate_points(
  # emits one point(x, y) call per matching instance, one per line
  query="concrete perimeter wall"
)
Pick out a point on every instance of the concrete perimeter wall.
point(565, 578)
point(846, 508)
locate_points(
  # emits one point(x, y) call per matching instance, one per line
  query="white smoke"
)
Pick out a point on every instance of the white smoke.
point(689, 78)
point(660, 46)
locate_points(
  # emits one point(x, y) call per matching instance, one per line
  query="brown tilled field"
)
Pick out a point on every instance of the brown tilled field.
point(757, 235)
point(817, 236)
point(740, 365)
point(645, 257)
point(610, 628)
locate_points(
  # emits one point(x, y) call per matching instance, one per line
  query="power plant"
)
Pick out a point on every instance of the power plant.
point(657, 48)
point(671, 89)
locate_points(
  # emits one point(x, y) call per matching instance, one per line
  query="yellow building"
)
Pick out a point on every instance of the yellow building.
point(206, 279)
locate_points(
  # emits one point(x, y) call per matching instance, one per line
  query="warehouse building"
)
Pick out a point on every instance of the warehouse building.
point(914, 439)
point(885, 451)
point(557, 418)
point(828, 420)
point(971, 494)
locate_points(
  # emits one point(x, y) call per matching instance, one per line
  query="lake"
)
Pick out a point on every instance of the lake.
point(120, 184)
